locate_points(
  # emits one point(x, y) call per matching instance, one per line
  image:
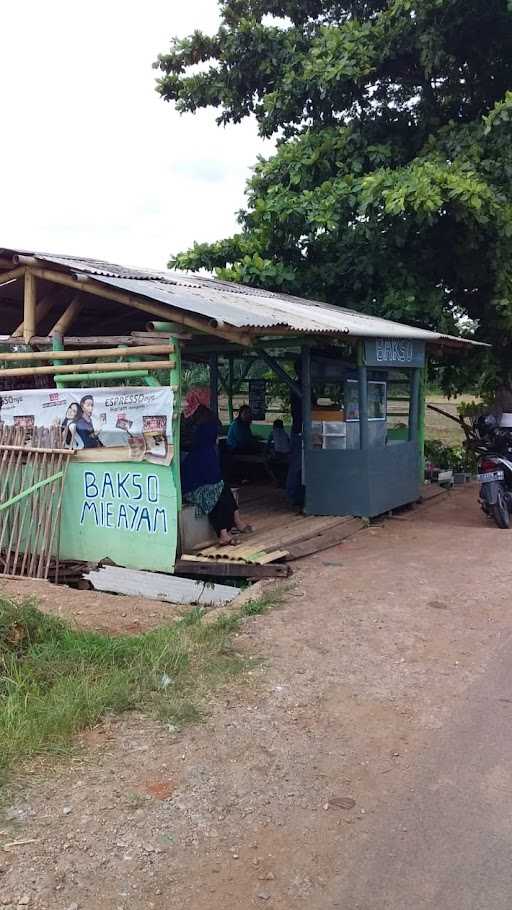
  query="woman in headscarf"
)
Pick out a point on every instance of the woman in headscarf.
point(196, 398)
point(201, 477)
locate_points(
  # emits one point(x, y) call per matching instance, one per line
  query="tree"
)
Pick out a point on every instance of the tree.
point(390, 190)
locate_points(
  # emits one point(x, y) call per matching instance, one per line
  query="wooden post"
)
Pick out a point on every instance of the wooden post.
point(42, 308)
point(57, 345)
point(65, 321)
point(414, 405)
point(29, 307)
point(214, 384)
point(363, 398)
point(230, 388)
point(176, 386)
point(421, 418)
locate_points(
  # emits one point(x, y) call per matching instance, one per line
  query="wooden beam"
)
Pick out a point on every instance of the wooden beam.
point(12, 275)
point(87, 368)
point(147, 306)
point(29, 306)
point(227, 569)
point(94, 352)
point(69, 315)
point(279, 371)
point(42, 308)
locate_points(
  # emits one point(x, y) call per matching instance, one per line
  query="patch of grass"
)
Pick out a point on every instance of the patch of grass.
point(56, 680)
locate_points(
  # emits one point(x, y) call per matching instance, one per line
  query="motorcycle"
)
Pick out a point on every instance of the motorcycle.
point(492, 442)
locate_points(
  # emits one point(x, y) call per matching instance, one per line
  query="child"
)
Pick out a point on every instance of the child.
point(279, 452)
point(279, 441)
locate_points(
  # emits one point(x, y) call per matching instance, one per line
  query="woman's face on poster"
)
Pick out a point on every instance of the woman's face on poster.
point(72, 411)
point(88, 407)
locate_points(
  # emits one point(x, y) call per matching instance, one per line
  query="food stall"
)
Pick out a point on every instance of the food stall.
point(90, 439)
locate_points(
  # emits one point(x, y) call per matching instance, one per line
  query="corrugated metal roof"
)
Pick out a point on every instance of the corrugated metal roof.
point(236, 305)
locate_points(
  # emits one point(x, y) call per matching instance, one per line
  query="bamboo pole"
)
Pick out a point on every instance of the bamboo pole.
point(14, 512)
point(163, 311)
point(87, 368)
point(42, 513)
point(42, 308)
point(29, 306)
point(12, 275)
point(49, 520)
point(93, 352)
point(110, 374)
point(55, 528)
point(32, 500)
point(68, 317)
point(22, 448)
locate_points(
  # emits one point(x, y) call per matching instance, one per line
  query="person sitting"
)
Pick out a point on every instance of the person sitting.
point(240, 437)
point(279, 441)
point(202, 483)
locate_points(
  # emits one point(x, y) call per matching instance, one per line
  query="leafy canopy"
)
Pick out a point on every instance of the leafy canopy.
point(391, 187)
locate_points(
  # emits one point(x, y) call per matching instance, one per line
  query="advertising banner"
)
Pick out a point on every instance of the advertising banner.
point(133, 423)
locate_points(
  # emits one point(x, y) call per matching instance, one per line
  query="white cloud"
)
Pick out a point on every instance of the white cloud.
point(93, 161)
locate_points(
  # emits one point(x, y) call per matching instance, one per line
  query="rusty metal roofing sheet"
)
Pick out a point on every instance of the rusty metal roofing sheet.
point(234, 304)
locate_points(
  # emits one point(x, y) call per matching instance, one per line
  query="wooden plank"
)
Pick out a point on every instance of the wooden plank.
point(264, 558)
point(330, 538)
point(307, 530)
point(241, 555)
point(192, 565)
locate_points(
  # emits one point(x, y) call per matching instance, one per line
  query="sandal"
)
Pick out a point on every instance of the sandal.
point(228, 543)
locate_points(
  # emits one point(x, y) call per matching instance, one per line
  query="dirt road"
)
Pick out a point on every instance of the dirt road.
point(376, 683)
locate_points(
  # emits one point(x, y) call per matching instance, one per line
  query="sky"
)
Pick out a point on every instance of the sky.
point(94, 162)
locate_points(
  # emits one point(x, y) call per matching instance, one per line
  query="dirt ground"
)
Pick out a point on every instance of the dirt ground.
point(94, 609)
point(271, 801)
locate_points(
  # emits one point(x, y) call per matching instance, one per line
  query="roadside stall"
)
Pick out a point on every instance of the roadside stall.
point(92, 383)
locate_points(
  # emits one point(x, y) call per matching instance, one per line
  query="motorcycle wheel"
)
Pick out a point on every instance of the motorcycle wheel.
point(500, 511)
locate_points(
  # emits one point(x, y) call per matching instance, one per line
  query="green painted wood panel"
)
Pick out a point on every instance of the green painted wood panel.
point(124, 511)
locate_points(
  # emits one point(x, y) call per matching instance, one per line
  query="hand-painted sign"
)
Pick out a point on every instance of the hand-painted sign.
point(128, 424)
point(125, 512)
point(394, 352)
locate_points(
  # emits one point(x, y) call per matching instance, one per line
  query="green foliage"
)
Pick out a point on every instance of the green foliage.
point(391, 188)
point(56, 680)
point(458, 458)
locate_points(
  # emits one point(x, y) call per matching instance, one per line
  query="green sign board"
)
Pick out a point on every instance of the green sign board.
point(394, 352)
point(122, 511)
